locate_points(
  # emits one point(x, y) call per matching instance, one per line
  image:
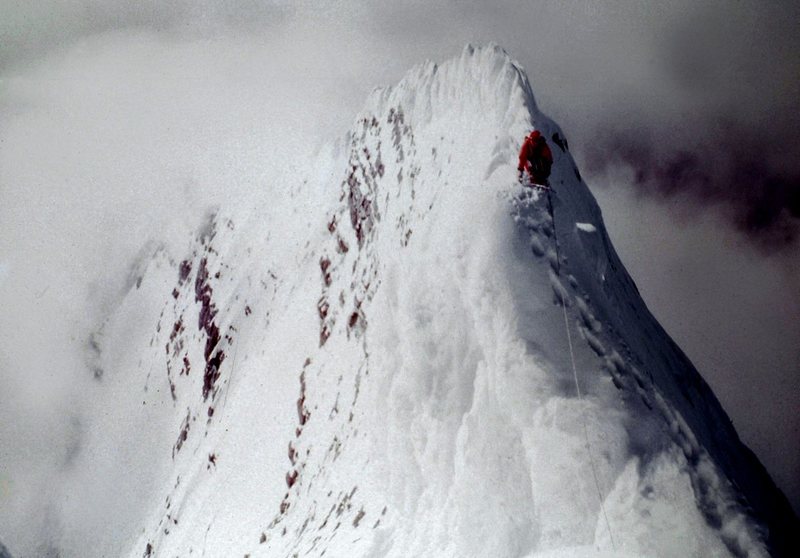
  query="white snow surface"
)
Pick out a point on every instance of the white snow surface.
point(397, 377)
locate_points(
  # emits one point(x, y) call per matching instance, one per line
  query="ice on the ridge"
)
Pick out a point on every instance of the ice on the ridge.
point(586, 227)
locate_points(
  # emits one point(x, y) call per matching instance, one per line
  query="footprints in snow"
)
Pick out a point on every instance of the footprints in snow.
point(532, 213)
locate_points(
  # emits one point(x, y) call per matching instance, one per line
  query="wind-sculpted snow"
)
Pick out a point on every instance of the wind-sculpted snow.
point(379, 361)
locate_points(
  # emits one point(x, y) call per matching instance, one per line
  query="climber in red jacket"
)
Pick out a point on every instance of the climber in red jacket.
point(536, 158)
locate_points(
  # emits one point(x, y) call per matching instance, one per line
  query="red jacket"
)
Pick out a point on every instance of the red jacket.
point(536, 157)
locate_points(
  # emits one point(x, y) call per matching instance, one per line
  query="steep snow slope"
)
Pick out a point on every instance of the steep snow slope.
point(402, 354)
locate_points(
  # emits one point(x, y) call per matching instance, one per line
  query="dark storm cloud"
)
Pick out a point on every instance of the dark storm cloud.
point(727, 136)
point(745, 173)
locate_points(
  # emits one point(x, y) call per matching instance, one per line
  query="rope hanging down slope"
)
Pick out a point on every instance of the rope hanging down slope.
point(575, 376)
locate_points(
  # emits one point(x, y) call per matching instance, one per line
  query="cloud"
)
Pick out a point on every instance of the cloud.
point(29, 30)
point(122, 139)
point(744, 173)
point(727, 136)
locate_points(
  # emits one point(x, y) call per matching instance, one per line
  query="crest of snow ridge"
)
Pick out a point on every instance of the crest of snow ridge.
point(482, 79)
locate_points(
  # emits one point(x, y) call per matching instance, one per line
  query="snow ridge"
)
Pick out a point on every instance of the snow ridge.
point(376, 363)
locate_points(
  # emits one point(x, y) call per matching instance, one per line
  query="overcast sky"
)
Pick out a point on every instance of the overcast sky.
point(684, 120)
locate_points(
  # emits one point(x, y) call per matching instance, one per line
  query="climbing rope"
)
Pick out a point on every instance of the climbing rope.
point(577, 383)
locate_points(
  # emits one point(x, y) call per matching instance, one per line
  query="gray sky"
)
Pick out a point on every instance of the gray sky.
point(112, 113)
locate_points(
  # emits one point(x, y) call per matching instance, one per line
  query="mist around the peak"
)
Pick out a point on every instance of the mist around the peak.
point(728, 142)
point(745, 176)
point(111, 150)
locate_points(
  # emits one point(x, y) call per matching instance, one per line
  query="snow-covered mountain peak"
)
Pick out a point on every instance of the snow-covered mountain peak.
point(406, 353)
point(482, 78)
